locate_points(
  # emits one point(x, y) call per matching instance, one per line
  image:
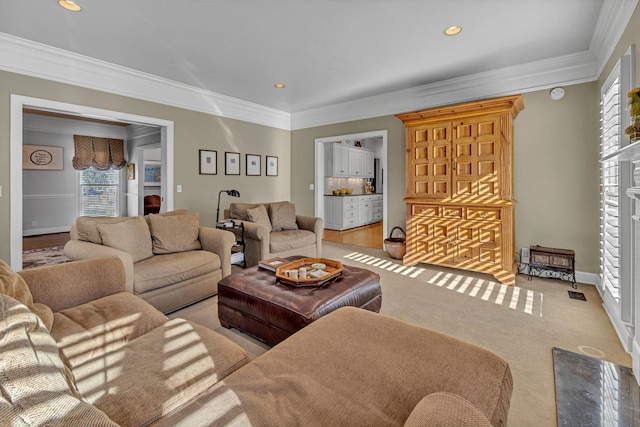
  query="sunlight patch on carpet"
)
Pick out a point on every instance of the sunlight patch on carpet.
point(514, 298)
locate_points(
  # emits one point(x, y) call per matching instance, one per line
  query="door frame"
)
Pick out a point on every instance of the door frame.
point(320, 173)
point(18, 104)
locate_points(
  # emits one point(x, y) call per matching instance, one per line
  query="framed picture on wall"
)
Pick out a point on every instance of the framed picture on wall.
point(42, 157)
point(231, 163)
point(152, 173)
point(272, 166)
point(208, 162)
point(253, 165)
point(131, 171)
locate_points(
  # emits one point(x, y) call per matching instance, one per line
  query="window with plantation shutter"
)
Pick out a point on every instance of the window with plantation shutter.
point(615, 219)
point(99, 192)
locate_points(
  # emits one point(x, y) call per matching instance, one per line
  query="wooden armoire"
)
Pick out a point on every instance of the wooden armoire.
point(459, 186)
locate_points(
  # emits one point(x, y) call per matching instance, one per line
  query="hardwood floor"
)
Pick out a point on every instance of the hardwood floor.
point(369, 236)
point(44, 241)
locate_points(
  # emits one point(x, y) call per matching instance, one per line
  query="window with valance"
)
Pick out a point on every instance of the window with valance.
point(101, 153)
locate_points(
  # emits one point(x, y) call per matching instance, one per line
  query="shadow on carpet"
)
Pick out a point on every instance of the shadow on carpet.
point(41, 257)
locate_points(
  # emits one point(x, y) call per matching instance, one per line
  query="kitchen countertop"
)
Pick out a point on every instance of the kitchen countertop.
point(354, 194)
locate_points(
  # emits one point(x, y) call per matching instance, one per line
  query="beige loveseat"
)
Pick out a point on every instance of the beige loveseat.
point(170, 261)
point(274, 230)
point(79, 350)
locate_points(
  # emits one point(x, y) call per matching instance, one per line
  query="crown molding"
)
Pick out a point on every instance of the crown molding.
point(612, 21)
point(566, 70)
point(22, 56)
point(38, 60)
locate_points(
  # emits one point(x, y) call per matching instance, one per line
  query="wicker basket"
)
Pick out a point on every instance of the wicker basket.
point(396, 246)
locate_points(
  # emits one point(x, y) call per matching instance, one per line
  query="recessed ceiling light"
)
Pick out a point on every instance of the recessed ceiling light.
point(70, 5)
point(279, 85)
point(452, 31)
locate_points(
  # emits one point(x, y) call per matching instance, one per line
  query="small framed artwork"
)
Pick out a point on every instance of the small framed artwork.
point(231, 163)
point(152, 172)
point(42, 157)
point(131, 171)
point(272, 166)
point(208, 162)
point(253, 165)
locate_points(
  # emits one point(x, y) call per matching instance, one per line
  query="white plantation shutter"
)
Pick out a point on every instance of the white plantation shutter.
point(610, 209)
point(615, 179)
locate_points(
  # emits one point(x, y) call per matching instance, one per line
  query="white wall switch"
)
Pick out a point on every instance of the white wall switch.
point(312, 187)
point(0, 190)
point(179, 188)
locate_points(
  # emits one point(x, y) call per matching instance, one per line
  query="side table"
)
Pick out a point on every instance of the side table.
point(237, 251)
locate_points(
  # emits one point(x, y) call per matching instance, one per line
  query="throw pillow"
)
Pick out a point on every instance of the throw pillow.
point(34, 386)
point(13, 285)
point(444, 409)
point(260, 216)
point(239, 210)
point(175, 233)
point(131, 236)
point(283, 216)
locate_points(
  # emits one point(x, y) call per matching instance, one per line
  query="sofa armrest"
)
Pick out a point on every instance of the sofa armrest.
point(67, 285)
point(219, 242)
point(79, 249)
point(311, 223)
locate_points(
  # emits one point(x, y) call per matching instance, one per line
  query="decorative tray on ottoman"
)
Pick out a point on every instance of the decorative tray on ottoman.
point(319, 272)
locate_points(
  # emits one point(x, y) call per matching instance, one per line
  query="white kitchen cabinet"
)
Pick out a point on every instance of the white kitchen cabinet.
point(344, 212)
point(345, 161)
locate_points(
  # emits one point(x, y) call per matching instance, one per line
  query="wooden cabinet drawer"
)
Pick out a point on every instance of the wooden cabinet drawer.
point(425, 210)
point(452, 212)
point(487, 214)
point(350, 206)
point(350, 214)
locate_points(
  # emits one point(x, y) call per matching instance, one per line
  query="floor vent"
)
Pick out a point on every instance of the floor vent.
point(577, 295)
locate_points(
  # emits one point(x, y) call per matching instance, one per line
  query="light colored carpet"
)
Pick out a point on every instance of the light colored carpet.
point(522, 323)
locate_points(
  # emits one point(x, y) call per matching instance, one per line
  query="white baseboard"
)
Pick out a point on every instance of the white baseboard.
point(38, 231)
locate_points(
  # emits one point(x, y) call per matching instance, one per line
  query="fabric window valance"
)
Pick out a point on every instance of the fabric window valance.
point(101, 153)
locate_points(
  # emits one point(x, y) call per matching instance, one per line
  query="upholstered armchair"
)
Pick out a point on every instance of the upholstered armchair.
point(152, 204)
point(274, 230)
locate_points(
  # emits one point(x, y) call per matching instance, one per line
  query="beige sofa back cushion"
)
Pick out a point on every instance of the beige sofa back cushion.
point(35, 388)
point(175, 233)
point(260, 216)
point(131, 236)
point(283, 216)
point(239, 210)
point(444, 409)
point(13, 285)
point(86, 227)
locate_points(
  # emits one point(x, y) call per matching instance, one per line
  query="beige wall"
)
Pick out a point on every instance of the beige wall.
point(555, 162)
point(193, 131)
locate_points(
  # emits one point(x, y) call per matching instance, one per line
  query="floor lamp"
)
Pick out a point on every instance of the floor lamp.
point(232, 193)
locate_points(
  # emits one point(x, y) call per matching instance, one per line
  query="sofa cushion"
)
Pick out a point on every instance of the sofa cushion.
point(283, 216)
point(444, 409)
point(287, 240)
point(159, 372)
point(13, 285)
point(175, 233)
point(131, 236)
point(164, 270)
point(90, 330)
point(239, 210)
point(86, 227)
point(34, 386)
point(260, 216)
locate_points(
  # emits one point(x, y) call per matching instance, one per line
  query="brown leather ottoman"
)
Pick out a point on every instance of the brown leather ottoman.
point(252, 301)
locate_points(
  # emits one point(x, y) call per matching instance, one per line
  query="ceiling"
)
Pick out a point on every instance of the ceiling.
point(327, 52)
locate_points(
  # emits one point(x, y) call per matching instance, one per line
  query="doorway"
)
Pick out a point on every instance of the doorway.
point(19, 104)
point(377, 142)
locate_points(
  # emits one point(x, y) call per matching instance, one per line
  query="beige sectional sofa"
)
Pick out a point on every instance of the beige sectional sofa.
point(170, 261)
point(274, 230)
point(77, 349)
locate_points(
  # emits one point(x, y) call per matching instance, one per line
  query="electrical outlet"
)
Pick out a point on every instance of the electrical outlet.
point(34, 223)
point(179, 188)
point(524, 256)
